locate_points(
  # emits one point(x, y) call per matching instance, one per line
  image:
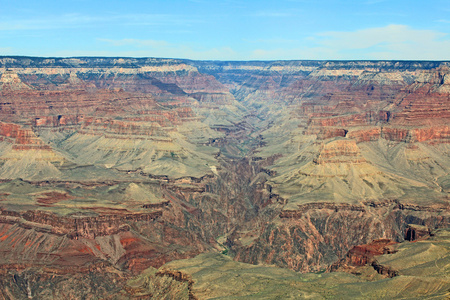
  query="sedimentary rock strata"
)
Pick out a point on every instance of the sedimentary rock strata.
point(126, 163)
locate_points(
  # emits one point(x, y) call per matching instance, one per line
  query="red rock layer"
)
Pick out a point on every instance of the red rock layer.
point(339, 151)
point(57, 121)
point(25, 138)
point(363, 254)
point(365, 135)
point(9, 130)
point(419, 112)
point(88, 227)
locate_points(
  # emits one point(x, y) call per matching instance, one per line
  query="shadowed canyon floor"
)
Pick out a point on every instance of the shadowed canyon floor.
point(116, 173)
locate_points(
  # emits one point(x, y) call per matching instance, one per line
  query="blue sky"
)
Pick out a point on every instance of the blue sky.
point(228, 29)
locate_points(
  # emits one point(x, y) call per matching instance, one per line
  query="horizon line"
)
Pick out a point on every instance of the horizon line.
point(220, 60)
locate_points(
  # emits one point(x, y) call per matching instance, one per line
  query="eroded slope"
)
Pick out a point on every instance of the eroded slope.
point(121, 164)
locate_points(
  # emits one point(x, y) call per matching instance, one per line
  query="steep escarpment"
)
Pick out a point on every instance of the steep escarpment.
point(98, 166)
point(312, 239)
point(124, 164)
point(346, 147)
point(418, 268)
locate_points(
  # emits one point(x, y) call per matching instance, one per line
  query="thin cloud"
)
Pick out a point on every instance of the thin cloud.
point(317, 53)
point(154, 48)
point(135, 42)
point(6, 51)
point(271, 41)
point(82, 21)
point(402, 42)
point(393, 42)
point(53, 22)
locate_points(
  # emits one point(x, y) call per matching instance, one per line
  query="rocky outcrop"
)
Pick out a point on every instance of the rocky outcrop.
point(362, 255)
point(437, 134)
point(318, 234)
point(303, 209)
point(415, 232)
point(26, 154)
point(180, 277)
point(97, 280)
point(76, 227)
point(10, 82)
point(369, 134)
point(26, 140)
point(339, 151)
point(57, 121)
point(344, 121)
point(161, 284)
point(9, 130)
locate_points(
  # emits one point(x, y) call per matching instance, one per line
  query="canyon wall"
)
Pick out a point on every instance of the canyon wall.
point(130, 163)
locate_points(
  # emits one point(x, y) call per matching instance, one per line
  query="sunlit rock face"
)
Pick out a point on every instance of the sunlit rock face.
point(111, 166)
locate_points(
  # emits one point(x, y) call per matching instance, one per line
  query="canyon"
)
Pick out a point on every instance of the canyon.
point(130, 178)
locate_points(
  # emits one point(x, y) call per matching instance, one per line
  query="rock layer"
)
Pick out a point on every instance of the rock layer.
point(123, 164)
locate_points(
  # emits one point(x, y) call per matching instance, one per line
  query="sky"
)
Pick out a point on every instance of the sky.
point(228, 29)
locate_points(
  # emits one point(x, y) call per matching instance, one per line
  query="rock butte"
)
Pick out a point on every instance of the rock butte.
point(112, 167)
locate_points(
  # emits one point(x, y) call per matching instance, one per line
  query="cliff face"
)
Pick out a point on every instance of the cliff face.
point(129, 163)
point(311, 240)
point(349, 133)
point(418, 268)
